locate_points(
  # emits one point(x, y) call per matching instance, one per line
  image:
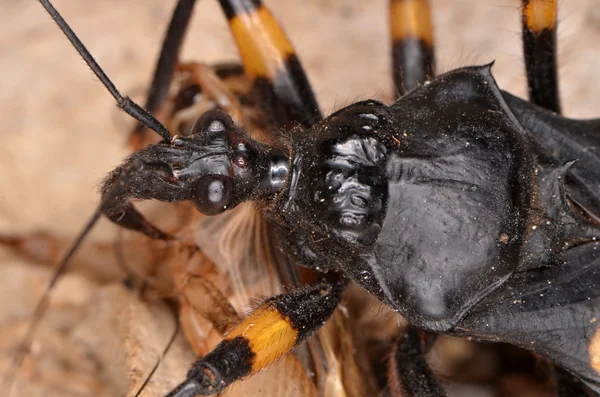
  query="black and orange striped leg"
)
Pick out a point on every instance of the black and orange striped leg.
point(413, 59)
point(539, 19)
point(409, 374)
point(280, 84)
point(267, 334)
point(165, 66)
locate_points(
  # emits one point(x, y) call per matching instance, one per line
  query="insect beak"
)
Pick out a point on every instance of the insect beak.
point(206, 164)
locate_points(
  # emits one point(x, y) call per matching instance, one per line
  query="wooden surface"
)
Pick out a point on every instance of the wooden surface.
point(61, 132)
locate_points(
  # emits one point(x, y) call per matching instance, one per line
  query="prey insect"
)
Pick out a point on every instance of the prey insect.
point(395, 198)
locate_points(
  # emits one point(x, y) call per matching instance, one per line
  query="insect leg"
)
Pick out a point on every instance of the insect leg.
point(409, 373)
point(214, 87)
point(539, 20)
point(167, 61)
point(280, 87)
point(200, 300)
point(288, 318)
point(413, 60)
point(280, 83)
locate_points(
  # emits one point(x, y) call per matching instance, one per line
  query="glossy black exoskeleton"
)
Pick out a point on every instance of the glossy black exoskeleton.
point(459, 205)
point(434, 202)
point(465, 208)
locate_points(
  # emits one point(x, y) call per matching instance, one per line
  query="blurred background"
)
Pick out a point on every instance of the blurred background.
point(61, 132)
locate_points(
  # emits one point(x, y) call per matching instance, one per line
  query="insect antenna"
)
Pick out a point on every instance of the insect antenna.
point(125, 103)
point(162, 354)
point(24, 347)
point(169, 56)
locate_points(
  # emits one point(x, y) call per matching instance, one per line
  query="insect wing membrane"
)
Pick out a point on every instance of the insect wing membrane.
point(560, 140)
point(553, 312)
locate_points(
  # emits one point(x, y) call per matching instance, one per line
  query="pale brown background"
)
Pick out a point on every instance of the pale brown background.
point(60, 132)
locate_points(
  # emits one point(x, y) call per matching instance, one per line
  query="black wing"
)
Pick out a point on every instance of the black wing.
point(553, 311)
point(559, 140)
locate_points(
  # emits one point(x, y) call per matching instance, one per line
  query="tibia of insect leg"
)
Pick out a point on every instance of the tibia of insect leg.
point(409, 373)
point(267, 334)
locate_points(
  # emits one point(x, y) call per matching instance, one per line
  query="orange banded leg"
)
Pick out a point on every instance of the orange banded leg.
point(539, 19)
point(280, 84)
point(266, 335)
point(413, 60)
point(203, 306)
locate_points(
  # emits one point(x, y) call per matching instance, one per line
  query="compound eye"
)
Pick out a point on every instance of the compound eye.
point(212, 194)
point(241, 161)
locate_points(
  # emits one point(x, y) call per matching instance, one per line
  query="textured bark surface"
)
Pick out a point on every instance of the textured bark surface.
point(61, 133)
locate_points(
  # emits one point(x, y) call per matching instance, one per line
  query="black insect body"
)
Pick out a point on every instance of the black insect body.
point(442, 205)
point(468, 210)
point(429, 195)
point(435, 198)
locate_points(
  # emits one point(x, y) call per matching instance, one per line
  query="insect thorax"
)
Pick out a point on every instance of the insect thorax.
point(423, 203)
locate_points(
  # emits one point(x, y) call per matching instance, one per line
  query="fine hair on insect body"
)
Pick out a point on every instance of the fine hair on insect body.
point(221, 122)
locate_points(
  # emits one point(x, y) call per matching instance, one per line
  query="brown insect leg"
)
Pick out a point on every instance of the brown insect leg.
point(409, 374)
point(213, 86)
point(202, 305)
point(539, 19)
point(280, 83)
point(413, 59)
point(165, 67)
point(40, 247)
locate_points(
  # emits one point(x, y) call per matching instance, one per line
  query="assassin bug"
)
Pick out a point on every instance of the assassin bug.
point(350, 219)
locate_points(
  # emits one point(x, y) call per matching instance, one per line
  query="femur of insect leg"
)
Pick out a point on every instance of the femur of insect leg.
point(408, 372)
point(289, 318)
point(167, 61)
point(201, 301)
point(270, 60)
